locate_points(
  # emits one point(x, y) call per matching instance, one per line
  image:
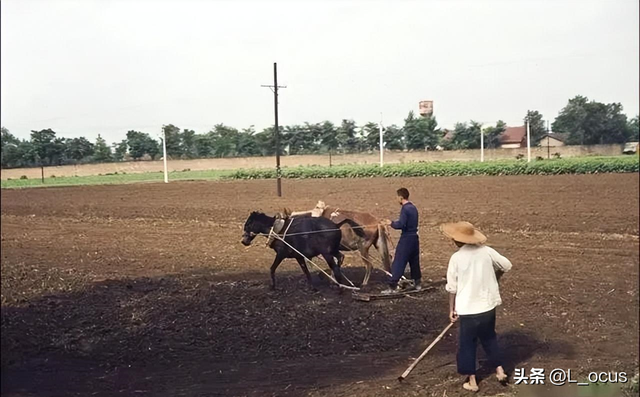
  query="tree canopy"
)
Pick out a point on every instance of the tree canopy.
point(585, 122)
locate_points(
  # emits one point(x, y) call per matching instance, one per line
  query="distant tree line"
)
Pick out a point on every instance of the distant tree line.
point(584, 122)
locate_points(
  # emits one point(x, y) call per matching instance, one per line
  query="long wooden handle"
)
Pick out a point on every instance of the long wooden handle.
point(424, 353)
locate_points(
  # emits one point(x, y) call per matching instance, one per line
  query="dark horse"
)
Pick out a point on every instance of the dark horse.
point(310, 236)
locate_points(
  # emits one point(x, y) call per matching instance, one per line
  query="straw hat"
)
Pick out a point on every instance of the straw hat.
point(463, 232)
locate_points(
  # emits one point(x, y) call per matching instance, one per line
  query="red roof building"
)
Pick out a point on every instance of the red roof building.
point(514, 137)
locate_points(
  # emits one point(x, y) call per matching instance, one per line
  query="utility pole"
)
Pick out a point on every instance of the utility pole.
point(274, 88)
point(381, 143)
point(528, 142)
point(548, 142)
point(164, 155)
point(481, 145)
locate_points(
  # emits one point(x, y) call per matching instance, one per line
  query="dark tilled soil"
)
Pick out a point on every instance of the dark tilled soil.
point(145, 289)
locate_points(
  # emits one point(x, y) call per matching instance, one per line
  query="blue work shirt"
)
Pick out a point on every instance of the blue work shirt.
point(408, 221)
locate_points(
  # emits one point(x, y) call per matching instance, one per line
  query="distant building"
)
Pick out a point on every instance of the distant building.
point(514, 137)
point(552, 139)
point(630, 148)
point(447, 135)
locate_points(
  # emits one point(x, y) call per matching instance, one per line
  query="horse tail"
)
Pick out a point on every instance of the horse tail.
point(355, 226)
point(383, 240)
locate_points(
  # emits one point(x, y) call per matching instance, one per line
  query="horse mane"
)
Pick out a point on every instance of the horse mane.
point(260, 216)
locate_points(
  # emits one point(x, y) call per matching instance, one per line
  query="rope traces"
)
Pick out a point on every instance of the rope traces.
point(273, 235)
point(325, 231)
point(378, 262)
point(318, 267)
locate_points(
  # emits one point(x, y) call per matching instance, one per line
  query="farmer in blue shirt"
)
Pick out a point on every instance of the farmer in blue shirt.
point(408, 249)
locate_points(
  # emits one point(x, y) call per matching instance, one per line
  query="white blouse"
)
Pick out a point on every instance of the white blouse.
point(471, 276)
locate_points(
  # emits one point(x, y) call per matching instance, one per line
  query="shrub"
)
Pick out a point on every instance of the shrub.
point(23, 177)
point(568, 166)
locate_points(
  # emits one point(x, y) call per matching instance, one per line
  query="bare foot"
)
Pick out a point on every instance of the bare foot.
point(470, 387)
point(471, 384)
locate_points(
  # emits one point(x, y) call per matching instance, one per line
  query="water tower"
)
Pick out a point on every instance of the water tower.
point(426, 108)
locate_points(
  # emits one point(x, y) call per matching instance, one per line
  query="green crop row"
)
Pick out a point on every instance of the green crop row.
point(585, 165)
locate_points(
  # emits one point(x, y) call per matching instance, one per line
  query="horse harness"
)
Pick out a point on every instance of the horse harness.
point(277, 227)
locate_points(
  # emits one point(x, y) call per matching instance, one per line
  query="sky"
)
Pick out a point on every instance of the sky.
point(84, 68)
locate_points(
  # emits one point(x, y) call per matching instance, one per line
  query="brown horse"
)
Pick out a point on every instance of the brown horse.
point(375, 234)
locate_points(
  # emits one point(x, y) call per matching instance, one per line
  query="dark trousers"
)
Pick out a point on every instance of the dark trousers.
point(473, 327)
point(407, 251)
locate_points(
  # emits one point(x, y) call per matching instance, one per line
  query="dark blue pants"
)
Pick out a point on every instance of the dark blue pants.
point(407, 251)
point(473, 327)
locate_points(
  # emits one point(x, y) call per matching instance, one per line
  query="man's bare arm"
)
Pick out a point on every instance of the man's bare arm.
point(453, 316)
